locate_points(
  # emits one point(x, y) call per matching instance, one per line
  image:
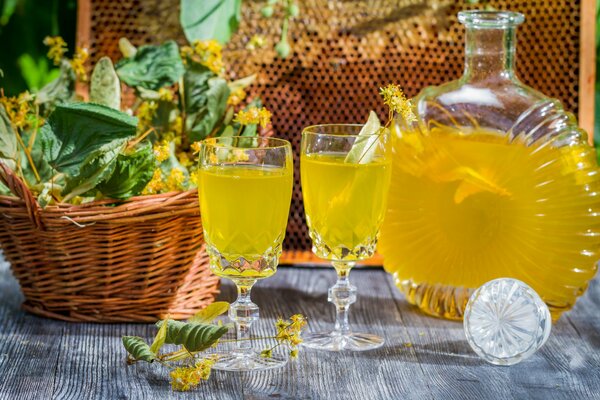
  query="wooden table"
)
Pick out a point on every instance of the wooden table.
point(423, 357)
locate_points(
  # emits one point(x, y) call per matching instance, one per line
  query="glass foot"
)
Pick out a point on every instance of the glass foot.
point(330, 341)
point(247, 362)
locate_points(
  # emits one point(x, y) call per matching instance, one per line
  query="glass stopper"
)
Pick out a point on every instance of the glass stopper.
point(506, 321)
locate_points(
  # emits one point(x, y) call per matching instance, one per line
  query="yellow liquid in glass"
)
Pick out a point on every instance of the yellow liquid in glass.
point(466, 208)
point(344, 204)
point(244, 213)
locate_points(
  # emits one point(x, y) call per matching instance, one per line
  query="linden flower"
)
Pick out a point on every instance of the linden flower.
point(236, 97)
point(205, 52)
point(165, 94)
point(17, 108)
point(156, 184)
point(58, 48)
point(195, 177)
point(186, 378)
point(196, 147)
point(256, 42)
point(161, 150)
point(394, 98)
point(177, 125)
point(175, 180)
point(145, 113)
point(254, 115)
point(184, 159)
point(78, 61)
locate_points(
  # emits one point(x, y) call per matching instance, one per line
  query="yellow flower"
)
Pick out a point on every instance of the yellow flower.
point(156, 184)
point(205, 52)
point(145, 113)
point(195, 177)
point(195, 147)
point(18, 109)
point(254, 115)
point(78, 61)
point(267, 353)
point(186, 378)
point(256, 42)
point(394, 98)
point(281, 325)
point(184, 159)
point(175, 180)
point(57, 48)
point(294, 353)
point(236, 97)
point(165, 94)
point(161, 150)
point(177, 125)
point(295, 340)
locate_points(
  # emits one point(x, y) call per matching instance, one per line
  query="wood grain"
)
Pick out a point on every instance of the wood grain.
point(424, 358)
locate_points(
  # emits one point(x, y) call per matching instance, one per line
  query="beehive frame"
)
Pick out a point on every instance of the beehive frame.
point(344, 51)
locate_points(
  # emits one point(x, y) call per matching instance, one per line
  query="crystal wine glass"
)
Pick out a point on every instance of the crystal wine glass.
point(345, 200)
point(245, 193)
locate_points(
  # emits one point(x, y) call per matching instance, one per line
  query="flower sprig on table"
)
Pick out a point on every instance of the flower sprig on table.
point(191, 364)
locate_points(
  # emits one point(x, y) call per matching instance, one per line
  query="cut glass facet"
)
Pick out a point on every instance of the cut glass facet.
point(506, 321)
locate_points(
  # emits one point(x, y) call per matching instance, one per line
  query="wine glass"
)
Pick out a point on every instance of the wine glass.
point(345, 179)
point(245, 193)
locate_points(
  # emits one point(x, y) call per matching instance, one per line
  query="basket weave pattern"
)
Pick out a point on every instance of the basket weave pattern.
point(139, 260)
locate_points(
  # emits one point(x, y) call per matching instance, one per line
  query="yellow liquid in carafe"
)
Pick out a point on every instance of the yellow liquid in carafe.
point(468, 207)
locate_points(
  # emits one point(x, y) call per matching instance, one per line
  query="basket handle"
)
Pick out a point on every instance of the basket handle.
point(20, 189)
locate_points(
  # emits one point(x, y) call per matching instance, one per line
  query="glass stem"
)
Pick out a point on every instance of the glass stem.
point(243, 312)
point(342, 295)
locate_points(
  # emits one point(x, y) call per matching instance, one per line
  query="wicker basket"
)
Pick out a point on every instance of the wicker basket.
point(139, 260)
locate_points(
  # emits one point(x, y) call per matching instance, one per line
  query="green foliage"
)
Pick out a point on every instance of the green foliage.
point(210, 19)
point(152, 67)
point(8, 140)
point(205, 101)
point(211, 312)
point(37, 72)
point(138, 349)
point(105, 87)
point(82, 142)
point(60, 90)
point(191, 335)
point(132, 172)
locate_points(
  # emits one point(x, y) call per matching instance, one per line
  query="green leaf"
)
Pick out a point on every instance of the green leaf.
point(36, 73)
point(105, 87)
point(242, 83)
point(205, 101)
point(131, 174)
point(82, 141)
point(8, 140)
point(210, 312)
point(193, 336)
point(8, 9)
point(58, 91)
point(159, 339)
point(152, 67)
point(210, 19)
point(138, 348)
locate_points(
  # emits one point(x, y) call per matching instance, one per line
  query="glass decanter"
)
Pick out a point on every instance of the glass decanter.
point(494, 180)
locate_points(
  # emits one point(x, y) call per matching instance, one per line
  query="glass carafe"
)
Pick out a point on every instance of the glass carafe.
point(494, 180)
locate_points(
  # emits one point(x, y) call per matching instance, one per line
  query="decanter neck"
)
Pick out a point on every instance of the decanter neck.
point(490, 53)
point(490, 44)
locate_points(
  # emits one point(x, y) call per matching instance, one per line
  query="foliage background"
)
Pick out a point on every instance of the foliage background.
point(23, 26)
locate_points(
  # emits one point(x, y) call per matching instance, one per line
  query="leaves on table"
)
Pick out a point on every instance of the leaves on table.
point(213, 19)
point(132, 172)
point(210, 312)
point(152, 67)
point(138, 349)
point(82, 141)
point(206, 97)
point(159, 339)
point(193, 336)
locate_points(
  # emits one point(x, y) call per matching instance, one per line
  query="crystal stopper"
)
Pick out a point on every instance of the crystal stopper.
point(506, 321)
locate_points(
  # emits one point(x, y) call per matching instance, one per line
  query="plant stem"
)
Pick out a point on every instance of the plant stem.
point(28, 155)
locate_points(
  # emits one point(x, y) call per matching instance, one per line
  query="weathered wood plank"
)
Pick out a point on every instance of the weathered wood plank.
point(423, 357)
